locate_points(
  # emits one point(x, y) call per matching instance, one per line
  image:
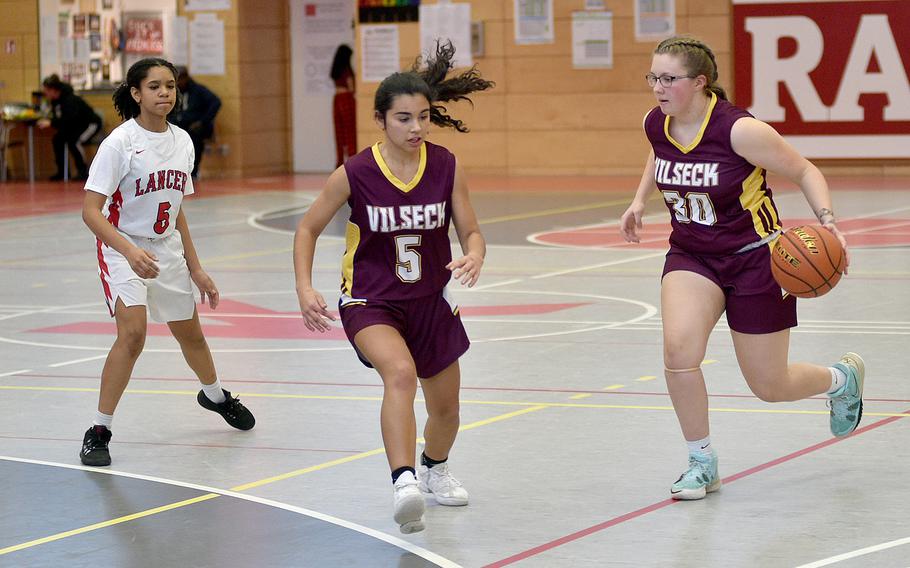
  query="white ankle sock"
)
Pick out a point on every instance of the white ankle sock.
point(701, 447)
point(213, 392)
point(102, 419)
point(838, 379)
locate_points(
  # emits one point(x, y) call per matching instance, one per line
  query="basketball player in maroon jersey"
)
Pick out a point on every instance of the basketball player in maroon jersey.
point(395, 309)
point(709, 159)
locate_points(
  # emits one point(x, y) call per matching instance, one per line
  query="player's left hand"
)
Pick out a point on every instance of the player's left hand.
point(466, 269)
point(840, 236)
point(206, 287)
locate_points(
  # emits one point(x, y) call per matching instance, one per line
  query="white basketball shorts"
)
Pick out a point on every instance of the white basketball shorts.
point(169, 297)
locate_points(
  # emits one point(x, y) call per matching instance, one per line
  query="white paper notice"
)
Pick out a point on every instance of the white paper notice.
point(326, 25)
point(203, 5)
point(534, 21)
point(379, 52)
point(178, 47)
point(654, 19)
point(592, 40)
point(48, 42)
point(206, 45)
point(444, 22)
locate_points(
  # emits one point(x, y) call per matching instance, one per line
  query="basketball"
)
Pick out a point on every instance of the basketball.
point(808, 261)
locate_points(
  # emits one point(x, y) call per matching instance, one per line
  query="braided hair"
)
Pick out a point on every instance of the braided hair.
point(697, 58)
point(430, 81)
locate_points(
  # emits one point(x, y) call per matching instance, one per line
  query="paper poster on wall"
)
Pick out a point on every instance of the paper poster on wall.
point(49, 42)
point(206, 45)
point(379, 51)
point(447, 22)
point(326, 25)
point(207, 5)
point(654, 19)
point(592, 40)
point(534, 21)
point(178, 48)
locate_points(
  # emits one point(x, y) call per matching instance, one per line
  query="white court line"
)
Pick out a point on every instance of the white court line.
point(855, 553)
point(496, 284)
point(11, 373)
point(403, 544)
point(74, 361)
point(599, 265)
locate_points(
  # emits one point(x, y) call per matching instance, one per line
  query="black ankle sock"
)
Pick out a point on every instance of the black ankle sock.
point(430, 462)
point(397, 473)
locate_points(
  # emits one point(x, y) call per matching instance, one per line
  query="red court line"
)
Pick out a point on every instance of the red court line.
point(463, 387)
point(667, 502)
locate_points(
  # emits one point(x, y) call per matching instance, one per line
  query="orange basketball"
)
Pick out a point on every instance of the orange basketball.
point(808, 261)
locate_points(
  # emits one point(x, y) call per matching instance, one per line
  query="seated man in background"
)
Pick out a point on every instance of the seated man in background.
point(76, 123)
point(195, 112)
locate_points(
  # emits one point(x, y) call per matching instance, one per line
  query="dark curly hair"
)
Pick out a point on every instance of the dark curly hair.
point(428, 78)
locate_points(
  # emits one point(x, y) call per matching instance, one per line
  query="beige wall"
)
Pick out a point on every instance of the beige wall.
point(544, 117)
point(18, 70)
point(253, 125)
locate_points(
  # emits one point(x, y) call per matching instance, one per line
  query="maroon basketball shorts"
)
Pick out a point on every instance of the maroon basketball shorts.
point(755, 302)
point(431, 327)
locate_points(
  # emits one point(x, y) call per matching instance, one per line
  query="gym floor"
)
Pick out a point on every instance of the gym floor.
point(569, 441)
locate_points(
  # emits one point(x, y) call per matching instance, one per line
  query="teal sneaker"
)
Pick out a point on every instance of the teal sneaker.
point(847, 402)
point(700, 479)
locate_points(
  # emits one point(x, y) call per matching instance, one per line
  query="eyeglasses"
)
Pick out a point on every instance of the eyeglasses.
point(666, 81)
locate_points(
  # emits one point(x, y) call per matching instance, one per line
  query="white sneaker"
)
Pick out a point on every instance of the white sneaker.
point(409, 504)
point(439, 481)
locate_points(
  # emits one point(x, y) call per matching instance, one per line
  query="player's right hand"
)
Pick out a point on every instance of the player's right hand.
point(143, 263)
point(631, 222)
point(313, 309)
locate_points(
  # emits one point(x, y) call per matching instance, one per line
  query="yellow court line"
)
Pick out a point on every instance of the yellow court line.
point(466, 402)
point(243, 487)
point(377, 451)
point(109, 523)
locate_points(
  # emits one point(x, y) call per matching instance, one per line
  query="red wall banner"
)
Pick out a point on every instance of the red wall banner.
point(831, 76)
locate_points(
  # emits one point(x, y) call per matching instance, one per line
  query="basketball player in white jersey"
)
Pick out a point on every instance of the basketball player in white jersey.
point(145, 253)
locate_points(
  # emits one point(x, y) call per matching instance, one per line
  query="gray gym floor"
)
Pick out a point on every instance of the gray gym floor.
point(569, 441)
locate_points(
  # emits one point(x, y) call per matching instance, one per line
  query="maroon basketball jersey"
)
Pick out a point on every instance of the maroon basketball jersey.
point(718, 202)
point(398, 233)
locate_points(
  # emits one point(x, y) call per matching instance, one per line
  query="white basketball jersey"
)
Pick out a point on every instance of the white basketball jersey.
point(144, 175)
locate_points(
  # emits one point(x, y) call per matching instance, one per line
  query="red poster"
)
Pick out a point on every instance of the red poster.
point(144, 35)
point(831, 76)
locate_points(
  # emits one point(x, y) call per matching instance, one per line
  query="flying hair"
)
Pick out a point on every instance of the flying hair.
point(429, 78)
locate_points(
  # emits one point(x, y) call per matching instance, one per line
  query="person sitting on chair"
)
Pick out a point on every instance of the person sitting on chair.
point(76, 123)
point(195, 112)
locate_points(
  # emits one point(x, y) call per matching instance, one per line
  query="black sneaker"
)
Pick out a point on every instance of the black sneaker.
point(231, 410)
point(94, 446)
